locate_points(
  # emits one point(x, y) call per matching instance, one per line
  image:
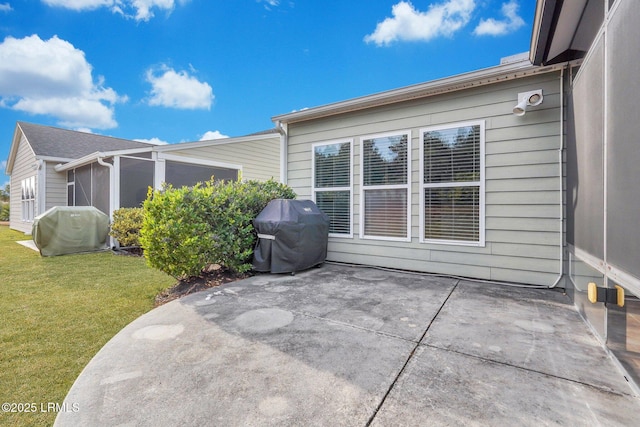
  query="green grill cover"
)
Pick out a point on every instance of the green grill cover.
point(70, 229)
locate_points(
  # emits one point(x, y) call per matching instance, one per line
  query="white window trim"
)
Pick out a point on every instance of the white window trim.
point(28, 206)
point(406, 186)
point(481, 241)
point(348, 188)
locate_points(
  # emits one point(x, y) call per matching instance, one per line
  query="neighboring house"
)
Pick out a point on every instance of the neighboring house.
point(603, 154)
point(56, 167)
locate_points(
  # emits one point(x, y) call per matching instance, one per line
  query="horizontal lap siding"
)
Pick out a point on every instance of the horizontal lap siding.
point(259, 159)
point(22, 169)
point(56, 187)
point(523, 195)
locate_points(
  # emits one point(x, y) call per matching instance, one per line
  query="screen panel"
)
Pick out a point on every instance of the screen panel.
point(623, 140)
point(585, 158)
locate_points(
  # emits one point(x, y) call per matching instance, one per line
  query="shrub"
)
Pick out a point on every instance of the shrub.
point(186, 229)
point(126, 226)
point(4, 211)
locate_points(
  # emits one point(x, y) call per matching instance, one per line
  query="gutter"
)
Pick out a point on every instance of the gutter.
point(423, 90)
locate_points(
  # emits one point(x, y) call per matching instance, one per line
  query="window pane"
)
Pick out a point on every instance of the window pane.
point(136, 176)
point(385, 160)
point(452, 213)
point(385, 212)
point(332, 165)
point(337, 205)
point(452, 155)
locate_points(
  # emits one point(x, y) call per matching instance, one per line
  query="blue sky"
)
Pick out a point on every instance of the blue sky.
point(183, 70)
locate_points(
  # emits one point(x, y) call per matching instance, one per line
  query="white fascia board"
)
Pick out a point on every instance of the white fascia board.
point(201, 162)
point(214, 142)
point(13, 151)
point(93, 157)
point(435, 87)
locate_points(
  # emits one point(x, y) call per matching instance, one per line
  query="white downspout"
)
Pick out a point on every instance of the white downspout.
point(560, 164)
point(112, 242)
point(284, 142)
point(41, 187)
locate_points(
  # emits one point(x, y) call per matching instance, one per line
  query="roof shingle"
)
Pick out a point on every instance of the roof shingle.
point(48, 141)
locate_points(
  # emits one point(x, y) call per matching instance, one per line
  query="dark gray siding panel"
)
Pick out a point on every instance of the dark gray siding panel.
point(585, 167)
point(623, 140)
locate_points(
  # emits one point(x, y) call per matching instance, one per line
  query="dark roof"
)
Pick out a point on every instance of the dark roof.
point(48, 141)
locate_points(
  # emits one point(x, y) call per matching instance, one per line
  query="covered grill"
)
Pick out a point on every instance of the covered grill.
point(70, 229)
point(292, 236)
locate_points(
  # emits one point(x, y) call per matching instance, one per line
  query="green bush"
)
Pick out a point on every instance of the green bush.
point(4, 211)
point(186, 229)
point(126, 226)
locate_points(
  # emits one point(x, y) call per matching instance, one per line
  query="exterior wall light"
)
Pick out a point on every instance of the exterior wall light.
point(526, 100)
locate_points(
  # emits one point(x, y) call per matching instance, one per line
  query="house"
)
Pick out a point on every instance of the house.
point(441, 177)
point(56, 167)
point(524, 172)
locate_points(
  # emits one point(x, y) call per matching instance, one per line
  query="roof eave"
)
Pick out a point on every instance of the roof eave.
point(214, 142)
point(542, 24)
point(93, 157)
point(13, 151)
point(422, 90)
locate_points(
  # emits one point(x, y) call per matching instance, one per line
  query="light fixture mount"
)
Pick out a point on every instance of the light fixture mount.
point(527, 99)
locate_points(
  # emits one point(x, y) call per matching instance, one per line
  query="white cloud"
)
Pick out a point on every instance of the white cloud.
point(409, 24)
point(213, 134)
point(154, 141)
point(511, 22)
point(269, 3)
point(3, 165)
point(53, 78)
point(141, 10)
point(178, 89)
point(5, 7)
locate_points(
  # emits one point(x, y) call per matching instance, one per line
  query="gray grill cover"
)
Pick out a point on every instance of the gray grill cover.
point(292, 236)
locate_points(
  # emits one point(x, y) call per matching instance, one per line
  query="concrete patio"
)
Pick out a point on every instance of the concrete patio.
point(341, 345)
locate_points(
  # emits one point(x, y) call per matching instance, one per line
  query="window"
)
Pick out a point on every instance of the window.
point(452, 184)
point(331, 181)
point(28, 202)
point(386, 206)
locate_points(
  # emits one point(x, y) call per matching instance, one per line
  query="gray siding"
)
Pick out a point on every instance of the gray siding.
point(56, 187)
point(523, 194)
point(259, 159)
point(22, 169)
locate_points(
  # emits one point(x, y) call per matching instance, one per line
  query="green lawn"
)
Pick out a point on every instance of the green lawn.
point(56, 313)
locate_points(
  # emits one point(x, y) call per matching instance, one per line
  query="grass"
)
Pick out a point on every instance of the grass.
point(56, 313)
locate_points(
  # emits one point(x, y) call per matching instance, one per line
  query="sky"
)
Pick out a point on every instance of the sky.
point(168, 71)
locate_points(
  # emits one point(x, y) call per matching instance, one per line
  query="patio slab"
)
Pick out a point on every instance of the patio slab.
point(341, 345)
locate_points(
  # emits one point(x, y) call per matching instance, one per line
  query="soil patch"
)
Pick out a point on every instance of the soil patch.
point(214, 276)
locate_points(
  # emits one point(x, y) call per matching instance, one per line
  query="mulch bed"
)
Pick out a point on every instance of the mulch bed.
point(214, 275)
